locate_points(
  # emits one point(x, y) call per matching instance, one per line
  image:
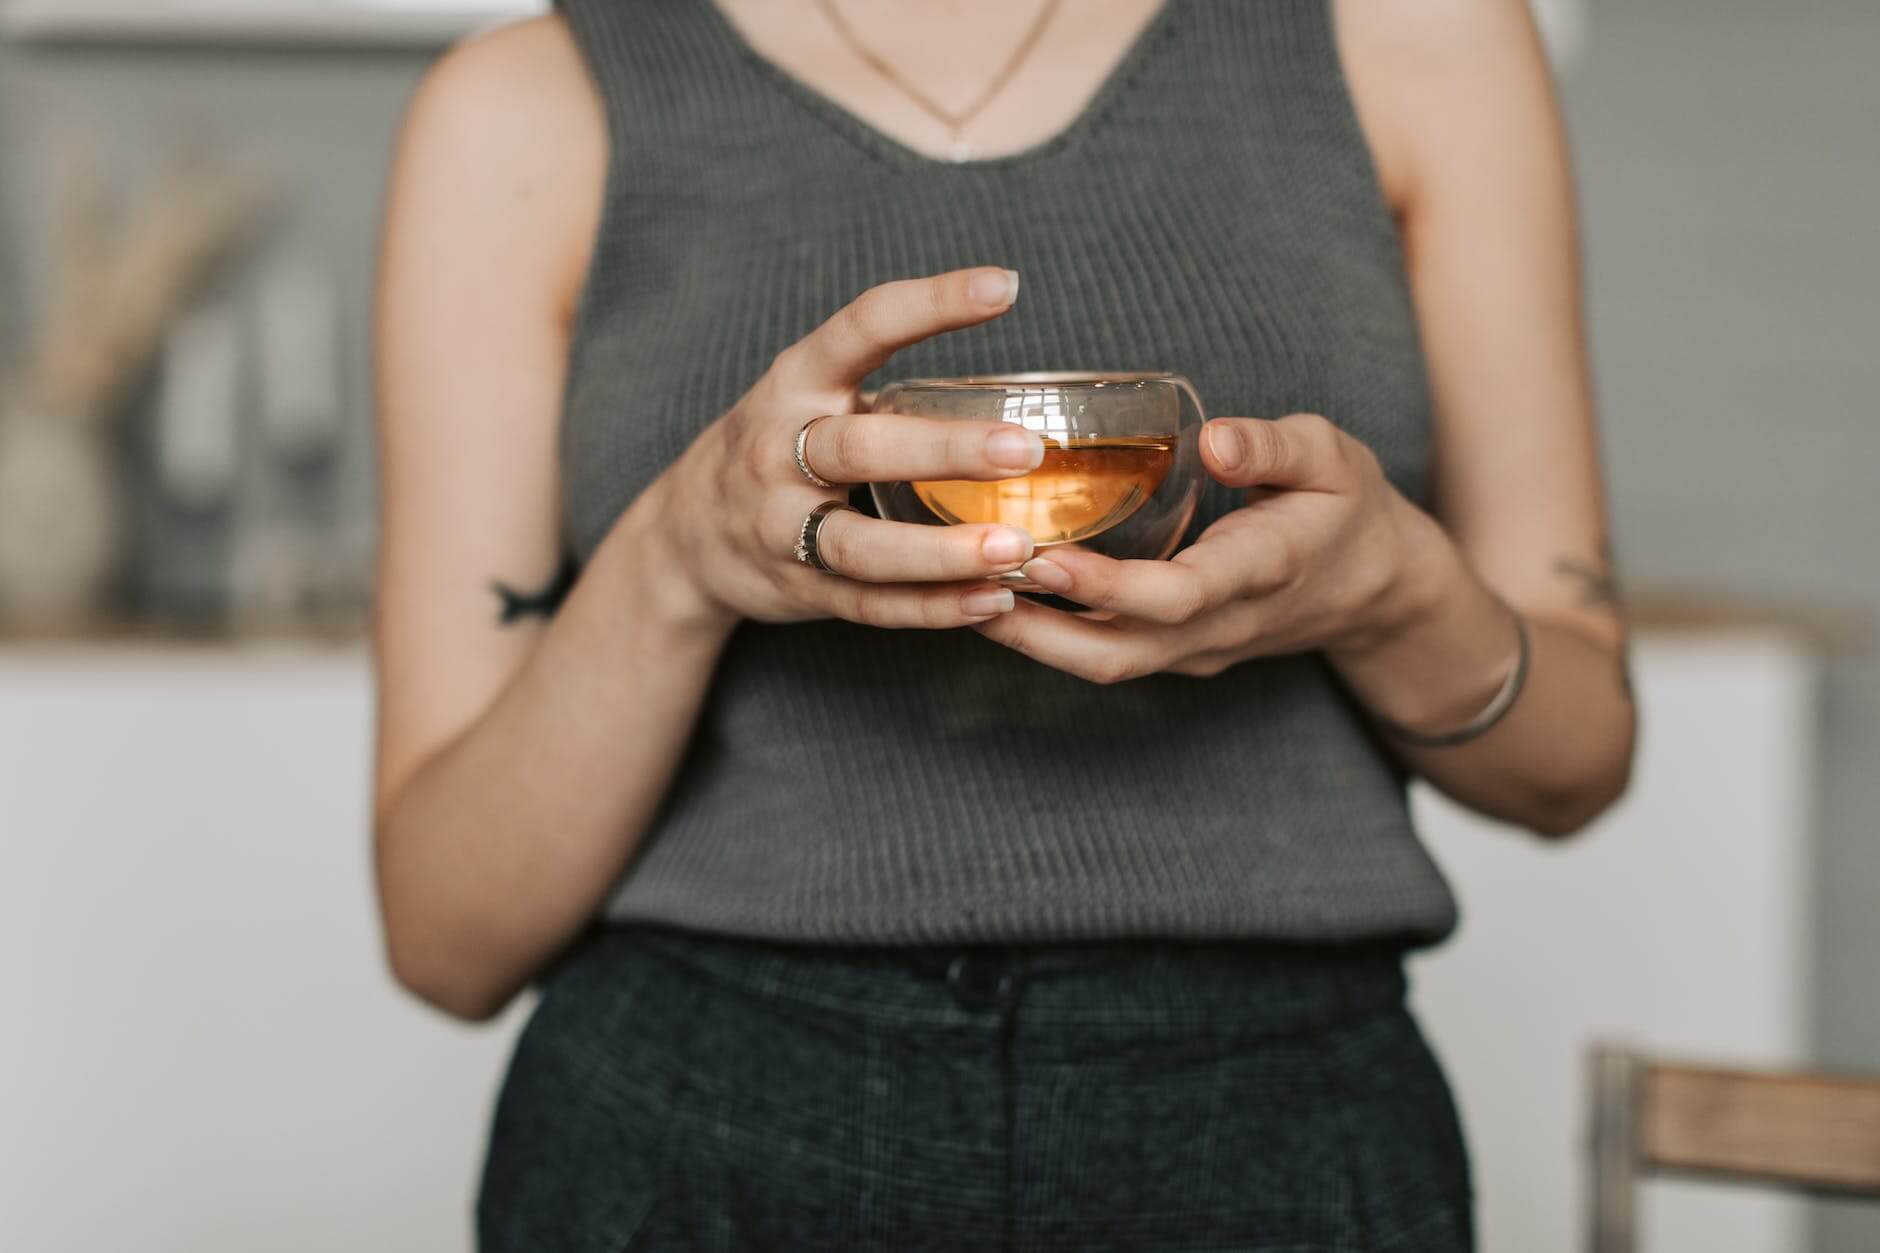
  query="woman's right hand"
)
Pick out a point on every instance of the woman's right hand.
point(733, 505)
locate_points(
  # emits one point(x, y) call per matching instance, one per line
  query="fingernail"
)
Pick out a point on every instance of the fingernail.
point(1047, 574)
point(1225, 443)
point(1014, 448)
point(1007, 546)
point(997, 290)
point(987, 601)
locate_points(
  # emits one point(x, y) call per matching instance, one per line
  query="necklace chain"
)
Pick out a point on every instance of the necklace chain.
point(955, 122)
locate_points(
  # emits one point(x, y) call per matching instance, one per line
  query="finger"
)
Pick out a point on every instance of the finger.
point(881, 447)
point(1096, 651)
point(1301, 451)
point(920, 607)
point(1152, 591)
point(860, 547)
point(1196, 581)
point(1205, 665)
point(882, 320)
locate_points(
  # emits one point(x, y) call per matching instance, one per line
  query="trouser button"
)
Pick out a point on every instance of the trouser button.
point(979, 981)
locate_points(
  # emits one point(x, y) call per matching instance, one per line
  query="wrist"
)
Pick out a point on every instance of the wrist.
point(1428, 577)
point(658, 576)
point(1440, 648)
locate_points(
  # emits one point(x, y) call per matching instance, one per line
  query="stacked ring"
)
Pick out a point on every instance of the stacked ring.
point(802, 459)
point(807, 550)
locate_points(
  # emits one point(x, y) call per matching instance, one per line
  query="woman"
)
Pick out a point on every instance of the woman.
point(1006, 928)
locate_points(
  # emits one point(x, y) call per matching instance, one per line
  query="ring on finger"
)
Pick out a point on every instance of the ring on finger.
point(808, 550)
point(802, 457)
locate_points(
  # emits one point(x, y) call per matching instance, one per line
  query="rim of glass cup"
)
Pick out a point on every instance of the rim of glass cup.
point(1036, 378)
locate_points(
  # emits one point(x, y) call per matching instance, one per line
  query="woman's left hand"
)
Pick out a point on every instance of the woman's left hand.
point(1325, 555)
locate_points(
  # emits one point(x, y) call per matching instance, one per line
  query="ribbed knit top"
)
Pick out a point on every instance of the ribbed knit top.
point(1214, 211)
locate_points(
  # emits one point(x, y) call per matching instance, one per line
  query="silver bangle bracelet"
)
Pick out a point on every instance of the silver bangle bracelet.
point(1496, 709)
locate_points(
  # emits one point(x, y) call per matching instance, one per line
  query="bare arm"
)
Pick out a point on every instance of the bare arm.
point(1458, 92)
point(1458, 106)
point(516, 759)
point(521, 758)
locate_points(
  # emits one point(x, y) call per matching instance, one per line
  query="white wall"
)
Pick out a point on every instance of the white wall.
point(1680, 924)
point(201, 1052)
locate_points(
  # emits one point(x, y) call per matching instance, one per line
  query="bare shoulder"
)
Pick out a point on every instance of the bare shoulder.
point(511, 77)
point(1418, 68)
point(1436, 28)
point(507, 129)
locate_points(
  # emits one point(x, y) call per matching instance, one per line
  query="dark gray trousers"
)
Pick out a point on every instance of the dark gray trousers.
point(678, 1092)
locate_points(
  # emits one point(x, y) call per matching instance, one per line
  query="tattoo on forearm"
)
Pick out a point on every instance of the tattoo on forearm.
point(1598, 581)
point(514, 606)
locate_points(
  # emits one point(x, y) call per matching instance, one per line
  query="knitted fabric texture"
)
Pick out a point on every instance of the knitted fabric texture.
point(1213, 211)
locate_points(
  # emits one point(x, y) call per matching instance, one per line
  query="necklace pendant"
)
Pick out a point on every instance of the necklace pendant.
point(960, 151)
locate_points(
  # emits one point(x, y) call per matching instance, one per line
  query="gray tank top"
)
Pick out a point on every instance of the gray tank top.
point(1214, 211)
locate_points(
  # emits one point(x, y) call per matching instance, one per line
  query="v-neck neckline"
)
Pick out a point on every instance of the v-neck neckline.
point(879, 141)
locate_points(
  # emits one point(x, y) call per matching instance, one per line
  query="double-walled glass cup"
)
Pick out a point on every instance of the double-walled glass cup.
point(1121, 470)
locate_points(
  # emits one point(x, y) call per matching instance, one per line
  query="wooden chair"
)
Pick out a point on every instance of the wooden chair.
point(1810, 1133)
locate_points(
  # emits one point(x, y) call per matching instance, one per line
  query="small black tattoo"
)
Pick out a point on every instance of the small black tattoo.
point(513, 606)
point(1599, 589)
point(1599, 582)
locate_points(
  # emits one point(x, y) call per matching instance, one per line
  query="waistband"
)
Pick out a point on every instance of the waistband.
point(1133, 987)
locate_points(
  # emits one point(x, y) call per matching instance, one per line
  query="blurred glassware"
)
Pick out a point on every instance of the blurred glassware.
point(198, 418)
point(299, 323)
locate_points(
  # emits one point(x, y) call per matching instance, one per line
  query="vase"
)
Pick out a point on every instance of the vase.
point(61, 513)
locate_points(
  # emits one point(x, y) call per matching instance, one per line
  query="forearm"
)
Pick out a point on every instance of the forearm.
point(1560, 755)
point(501, 847)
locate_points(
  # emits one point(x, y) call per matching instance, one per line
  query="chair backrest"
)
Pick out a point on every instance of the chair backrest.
point(1808, 1132)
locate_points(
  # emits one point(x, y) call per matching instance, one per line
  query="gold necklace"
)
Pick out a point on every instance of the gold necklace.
point(956, 123)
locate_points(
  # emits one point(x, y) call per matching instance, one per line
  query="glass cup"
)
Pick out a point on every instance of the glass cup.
point(1122, 462)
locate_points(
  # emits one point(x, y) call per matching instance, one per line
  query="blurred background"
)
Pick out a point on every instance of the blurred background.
point(201, 1050)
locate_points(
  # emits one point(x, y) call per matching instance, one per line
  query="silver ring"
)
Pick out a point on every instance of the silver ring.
point(802, 461)
point(807, 550)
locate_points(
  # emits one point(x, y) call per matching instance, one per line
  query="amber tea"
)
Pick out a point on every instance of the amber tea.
point(1084, 486)
point(1121, 474)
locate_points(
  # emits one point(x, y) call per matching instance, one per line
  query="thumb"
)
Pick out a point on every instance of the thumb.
point(1301, 451)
